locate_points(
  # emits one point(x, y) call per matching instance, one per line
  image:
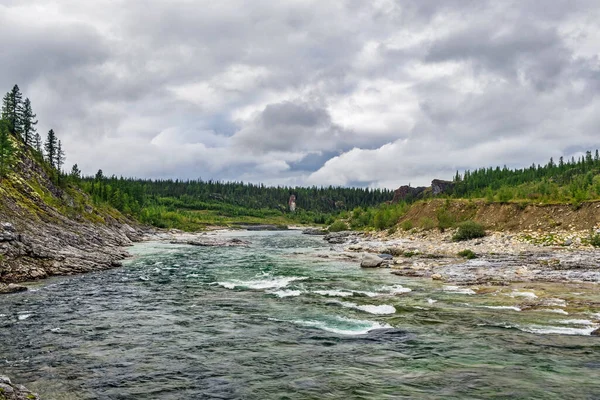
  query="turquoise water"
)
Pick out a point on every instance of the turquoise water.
point(278, 320)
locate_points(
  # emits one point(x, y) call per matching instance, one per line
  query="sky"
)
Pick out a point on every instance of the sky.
point(376, 93)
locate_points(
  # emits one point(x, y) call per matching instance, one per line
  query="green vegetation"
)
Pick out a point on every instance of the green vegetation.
point(338, 226)
point(468, 254)
point(468, 230)
point(406, 225)
point(568, 181)
point(595, 239)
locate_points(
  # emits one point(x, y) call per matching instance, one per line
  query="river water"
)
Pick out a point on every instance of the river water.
point(278, 320)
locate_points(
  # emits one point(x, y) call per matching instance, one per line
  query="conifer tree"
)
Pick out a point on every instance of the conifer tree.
point(50, 147)
point(37, 143)
point(75, 172)
point(60, 156)
point(7, 149)
point(12, 110)
point(28, 123)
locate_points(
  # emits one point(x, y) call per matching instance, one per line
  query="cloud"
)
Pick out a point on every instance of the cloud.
point(378, 93)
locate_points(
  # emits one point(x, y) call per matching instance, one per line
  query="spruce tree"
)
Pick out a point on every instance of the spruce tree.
point(37, 143)
point(12, 110)
point(7, 149)
point(75, 173)
point(60, 156)
point(50, 147)
point(28, 123)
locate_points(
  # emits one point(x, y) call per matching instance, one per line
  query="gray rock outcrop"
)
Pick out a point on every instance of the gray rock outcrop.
point(371, 261)
point(11, 391)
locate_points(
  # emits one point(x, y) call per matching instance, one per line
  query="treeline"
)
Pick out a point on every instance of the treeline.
point(573, 180)
point(145, 198)
point(18, 124)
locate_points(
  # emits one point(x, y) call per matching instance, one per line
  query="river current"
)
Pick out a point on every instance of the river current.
point(285, 319)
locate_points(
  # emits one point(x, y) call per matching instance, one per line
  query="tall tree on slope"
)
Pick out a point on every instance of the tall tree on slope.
point(50, 147)
point(7, 149)
point(12, 110)
point(28, 123)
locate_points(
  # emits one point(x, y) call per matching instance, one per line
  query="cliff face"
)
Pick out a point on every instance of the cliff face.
point(50, 229)
point(437, 187)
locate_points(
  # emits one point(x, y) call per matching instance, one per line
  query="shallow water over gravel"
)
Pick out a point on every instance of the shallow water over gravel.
point(272, 321)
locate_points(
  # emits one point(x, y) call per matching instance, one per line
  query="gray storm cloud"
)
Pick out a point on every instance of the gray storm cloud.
point(306, 92)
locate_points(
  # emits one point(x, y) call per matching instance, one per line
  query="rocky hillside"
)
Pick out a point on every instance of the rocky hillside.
point(50, 228)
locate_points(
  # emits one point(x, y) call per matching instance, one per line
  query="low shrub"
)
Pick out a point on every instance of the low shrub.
point(595, 240)
point(338, 226)
point(427, 224)
point(406, 225)
point(468, 230)
point(468, 254)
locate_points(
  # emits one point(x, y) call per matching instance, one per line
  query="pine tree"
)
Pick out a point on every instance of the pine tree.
point(50, 147)
point(12, 110)
point(28, 122)
point(75, 172)
point(60, 157)
point(37, 143)
point(7, 149)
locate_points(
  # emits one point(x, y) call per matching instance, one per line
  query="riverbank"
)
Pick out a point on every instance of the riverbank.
point(500, 258)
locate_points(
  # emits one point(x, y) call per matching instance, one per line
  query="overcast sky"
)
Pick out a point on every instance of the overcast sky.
point(302, 92)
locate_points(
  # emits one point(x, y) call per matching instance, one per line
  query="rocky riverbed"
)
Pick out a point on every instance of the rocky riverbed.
point(498, 258)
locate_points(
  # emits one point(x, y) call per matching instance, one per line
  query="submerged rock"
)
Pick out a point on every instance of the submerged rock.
point(371, 261)
point(596, 332)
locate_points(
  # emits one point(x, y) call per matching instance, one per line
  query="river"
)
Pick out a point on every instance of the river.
point(284, 319)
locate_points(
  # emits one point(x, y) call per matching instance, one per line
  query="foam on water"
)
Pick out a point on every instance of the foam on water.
point(23, 317)
point(513, 308)
point(258, 284)
point(287, 293)
point(340, 325)
point(555, 302)
point(382, 309)
point(555, 310)
point(431, 301)
point(559, 330)
point(396, 289)
point(576, 322)
point(529, 295)
point(458, 290)
point(334, 293)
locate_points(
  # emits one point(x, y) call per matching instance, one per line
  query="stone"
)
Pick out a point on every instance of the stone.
point(371, 261)
point(436, 277)
point(314, 231)
point(11, 288)
point(596, 332)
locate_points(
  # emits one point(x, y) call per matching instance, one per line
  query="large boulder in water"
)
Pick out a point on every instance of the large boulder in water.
point(371, 261)
point(596, 332)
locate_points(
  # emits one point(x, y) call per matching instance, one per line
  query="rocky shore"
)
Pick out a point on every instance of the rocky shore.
point(11, 391)
point(498, 258)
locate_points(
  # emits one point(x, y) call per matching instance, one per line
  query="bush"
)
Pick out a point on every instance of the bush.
point(468, 230)
point(445, 220)
point(338, 226)
point(595, 240)
point(468, 254)
point(406, 225)
point(427, 223)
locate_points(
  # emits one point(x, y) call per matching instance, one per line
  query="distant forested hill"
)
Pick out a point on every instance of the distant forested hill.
point(165, 202)
point(573, 180)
